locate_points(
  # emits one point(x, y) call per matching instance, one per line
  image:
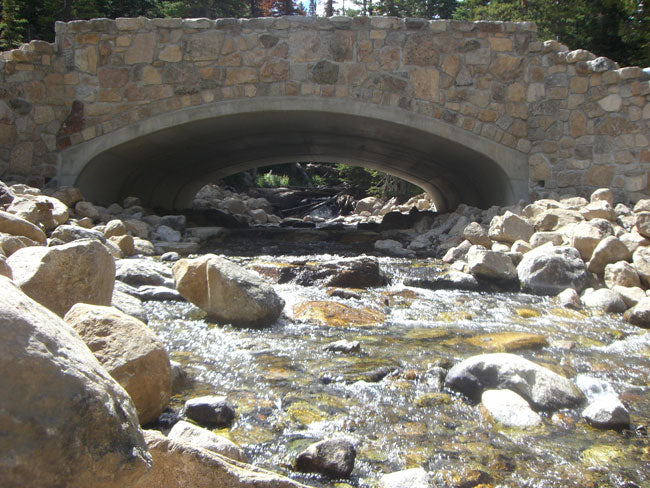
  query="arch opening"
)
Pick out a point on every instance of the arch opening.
point(167, 159)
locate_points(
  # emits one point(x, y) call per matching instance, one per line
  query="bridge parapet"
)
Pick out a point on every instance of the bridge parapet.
point(581, 122)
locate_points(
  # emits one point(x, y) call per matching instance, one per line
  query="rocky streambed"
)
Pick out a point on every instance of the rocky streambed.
point(295, 383)
point(341, 369)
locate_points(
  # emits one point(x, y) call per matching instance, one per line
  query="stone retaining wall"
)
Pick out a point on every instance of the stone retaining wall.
point(583, 122)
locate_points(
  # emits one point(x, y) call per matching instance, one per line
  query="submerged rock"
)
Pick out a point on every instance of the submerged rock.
point(335, 314)
point(508, 341)
point(408, 478)
point(541, 387)
point(58, 277)
point(64, 420)
point(226, 291)
point(509, 409)
point(333, 458)
point(130, 352)
point(547, 270)
point(205, 439)
point(347, 347)
point(210, 410)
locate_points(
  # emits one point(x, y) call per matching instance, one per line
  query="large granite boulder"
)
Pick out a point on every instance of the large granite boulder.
point(226, 291)
point(130, 352)
point(547, 270)
point(540, 387)
point(64, 420)
point(181, 465)
point(60, 276)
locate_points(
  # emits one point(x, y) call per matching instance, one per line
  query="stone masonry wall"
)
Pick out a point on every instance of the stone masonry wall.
point(582, 122)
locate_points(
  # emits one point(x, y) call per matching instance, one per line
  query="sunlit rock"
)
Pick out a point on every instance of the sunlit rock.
point(58, 277)
point(541, 387)
point(335, 314)
point(547, 270)
point(226, 291)
point(509, 409)
point(205, 439)
point(181, 465)
point(65, 421)
point(130, 352)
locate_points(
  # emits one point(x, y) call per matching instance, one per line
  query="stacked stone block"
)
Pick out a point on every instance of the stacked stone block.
point(582, 122)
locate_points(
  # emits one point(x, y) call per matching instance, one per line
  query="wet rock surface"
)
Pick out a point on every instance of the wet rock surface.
point(544, 389)
point(332, 457)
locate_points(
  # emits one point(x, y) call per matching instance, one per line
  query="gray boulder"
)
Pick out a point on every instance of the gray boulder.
point(64, 420)
point(541, 387)
point(129, 304)
point(70, 233)
point(607, 412)
point(209, 410)
point(226, 291)
point(547, 270)
point(333, 458)
point(142, 271)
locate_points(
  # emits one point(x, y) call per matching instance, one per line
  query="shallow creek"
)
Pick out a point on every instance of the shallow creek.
point(388, 398)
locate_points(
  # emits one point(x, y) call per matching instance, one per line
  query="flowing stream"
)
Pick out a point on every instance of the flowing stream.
point(389, 399)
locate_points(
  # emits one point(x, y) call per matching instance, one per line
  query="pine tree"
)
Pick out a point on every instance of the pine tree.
point(11, 25)
point(312, 8)
point(329, 8)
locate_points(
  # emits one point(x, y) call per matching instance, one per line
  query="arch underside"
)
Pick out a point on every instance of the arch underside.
point(166, 163)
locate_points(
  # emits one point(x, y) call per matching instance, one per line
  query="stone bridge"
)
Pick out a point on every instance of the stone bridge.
point(481, 113)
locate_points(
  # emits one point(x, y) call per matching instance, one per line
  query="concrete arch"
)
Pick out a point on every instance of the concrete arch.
point(165, 159)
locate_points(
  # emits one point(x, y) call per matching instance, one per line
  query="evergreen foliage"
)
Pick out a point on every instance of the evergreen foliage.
point(11, 25)
point(619, 29)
